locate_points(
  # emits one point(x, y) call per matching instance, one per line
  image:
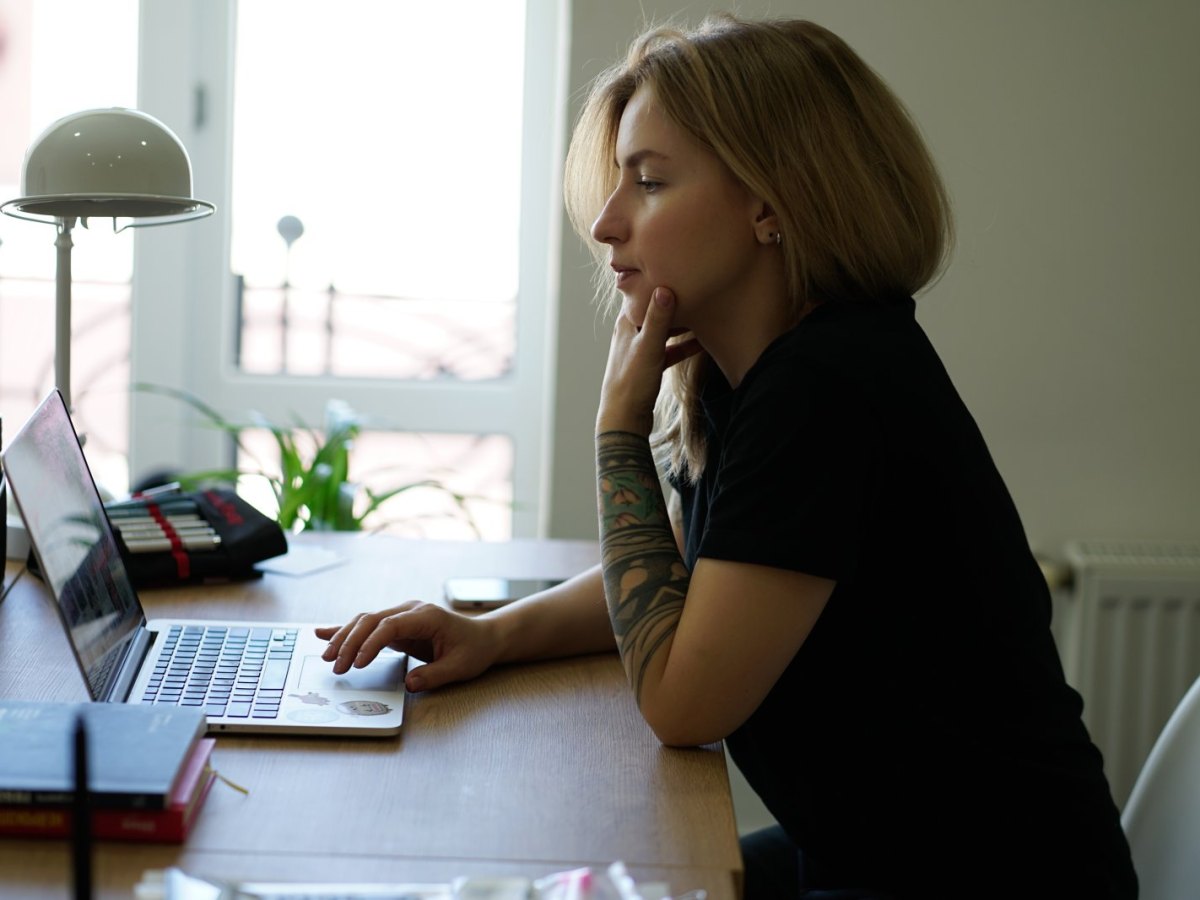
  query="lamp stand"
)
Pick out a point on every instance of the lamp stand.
point(62, 308)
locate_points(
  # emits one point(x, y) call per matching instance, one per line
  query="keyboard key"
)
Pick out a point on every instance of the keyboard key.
point(275, 673)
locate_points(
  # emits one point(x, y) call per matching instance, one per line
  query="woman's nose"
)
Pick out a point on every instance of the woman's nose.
point(610, 226)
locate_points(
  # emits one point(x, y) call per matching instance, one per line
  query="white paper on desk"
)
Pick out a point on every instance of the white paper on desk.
point(337, 891)
point(174, 884)
point(301, 561)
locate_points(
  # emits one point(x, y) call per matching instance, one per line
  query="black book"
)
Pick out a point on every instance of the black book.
point(135, 753)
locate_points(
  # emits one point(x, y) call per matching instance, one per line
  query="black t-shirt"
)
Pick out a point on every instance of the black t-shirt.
point(923, 738)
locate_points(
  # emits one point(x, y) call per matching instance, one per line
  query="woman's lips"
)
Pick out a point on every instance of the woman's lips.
point(624, 276)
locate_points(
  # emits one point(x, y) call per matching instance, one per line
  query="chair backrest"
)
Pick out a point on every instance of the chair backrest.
point(1162, 816)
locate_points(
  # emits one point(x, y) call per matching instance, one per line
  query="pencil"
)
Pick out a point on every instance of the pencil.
point(170, 493)
point(167, 507)
point(81, 817)
point(183, 541)
point(157, 528)
point(173, 519)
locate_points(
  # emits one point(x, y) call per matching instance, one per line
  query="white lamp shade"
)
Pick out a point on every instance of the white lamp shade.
point(118, 163)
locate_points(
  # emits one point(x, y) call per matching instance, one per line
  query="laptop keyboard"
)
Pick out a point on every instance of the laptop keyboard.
point(227, 670)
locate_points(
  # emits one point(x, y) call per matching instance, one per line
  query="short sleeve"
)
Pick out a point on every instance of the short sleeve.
point(794, 472)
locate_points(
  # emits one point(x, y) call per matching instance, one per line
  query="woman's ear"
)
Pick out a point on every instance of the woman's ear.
point(766, 224)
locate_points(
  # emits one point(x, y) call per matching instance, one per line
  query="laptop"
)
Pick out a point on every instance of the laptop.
point(251, 677)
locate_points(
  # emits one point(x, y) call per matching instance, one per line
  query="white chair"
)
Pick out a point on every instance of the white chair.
point(1162, 815)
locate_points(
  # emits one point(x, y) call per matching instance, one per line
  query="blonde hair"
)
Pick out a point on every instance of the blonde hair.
point(804, 123)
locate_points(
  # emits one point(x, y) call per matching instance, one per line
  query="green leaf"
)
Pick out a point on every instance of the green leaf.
point(314, 489)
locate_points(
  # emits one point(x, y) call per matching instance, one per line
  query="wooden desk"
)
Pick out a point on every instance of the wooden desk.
point(528, 770)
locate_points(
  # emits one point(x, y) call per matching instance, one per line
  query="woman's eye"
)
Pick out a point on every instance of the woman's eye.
point(649, 185)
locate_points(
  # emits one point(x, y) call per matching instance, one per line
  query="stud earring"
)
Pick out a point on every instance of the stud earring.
point(776, 237)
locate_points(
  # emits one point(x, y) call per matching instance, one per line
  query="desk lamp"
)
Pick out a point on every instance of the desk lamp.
point(101, 163)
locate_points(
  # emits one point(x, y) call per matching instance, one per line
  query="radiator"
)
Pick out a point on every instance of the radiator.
point(1127, 625)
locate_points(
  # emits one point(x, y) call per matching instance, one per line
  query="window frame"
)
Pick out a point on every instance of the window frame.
point(183, 294)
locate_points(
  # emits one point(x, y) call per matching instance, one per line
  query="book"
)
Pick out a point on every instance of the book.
point(136, 753)
point(169, 825)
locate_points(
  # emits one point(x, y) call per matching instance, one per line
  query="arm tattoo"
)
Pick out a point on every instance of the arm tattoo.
point(645, 580)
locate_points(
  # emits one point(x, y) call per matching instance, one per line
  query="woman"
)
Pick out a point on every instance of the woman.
point(846, 595)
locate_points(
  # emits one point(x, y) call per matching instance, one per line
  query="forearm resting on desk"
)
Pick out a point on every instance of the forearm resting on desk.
point(569, 619)
point(566, 620)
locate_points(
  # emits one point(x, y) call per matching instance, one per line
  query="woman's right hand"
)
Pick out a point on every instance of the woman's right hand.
point(454, 647)
point(639, 353)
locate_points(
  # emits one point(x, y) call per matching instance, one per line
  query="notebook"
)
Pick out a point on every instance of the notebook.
point(247, 676)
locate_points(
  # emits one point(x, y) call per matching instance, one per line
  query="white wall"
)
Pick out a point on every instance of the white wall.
point(1069, 135)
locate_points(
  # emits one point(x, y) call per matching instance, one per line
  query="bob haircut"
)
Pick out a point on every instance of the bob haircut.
point(800, 120)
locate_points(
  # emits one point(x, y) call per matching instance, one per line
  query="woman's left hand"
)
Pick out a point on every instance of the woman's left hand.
point(637, 358)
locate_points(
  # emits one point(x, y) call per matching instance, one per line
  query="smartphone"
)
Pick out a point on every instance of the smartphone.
point(489, 593)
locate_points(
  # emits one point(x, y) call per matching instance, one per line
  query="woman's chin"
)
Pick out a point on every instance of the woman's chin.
point(634, 308)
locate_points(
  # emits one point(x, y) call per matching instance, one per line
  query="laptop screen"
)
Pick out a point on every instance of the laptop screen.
point(71, 536)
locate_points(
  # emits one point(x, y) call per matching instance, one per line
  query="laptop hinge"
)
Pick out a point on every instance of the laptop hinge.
point(138, 648)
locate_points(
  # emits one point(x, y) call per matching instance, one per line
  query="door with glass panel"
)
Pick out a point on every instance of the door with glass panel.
point(386, 186)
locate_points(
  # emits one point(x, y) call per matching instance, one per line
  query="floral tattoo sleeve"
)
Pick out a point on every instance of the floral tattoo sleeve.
point(645, 580)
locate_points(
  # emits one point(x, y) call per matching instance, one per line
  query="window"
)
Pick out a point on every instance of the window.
point(384, 175)
point(36, 89)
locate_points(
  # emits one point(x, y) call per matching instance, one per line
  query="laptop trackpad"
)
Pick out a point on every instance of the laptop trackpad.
point(385, 673)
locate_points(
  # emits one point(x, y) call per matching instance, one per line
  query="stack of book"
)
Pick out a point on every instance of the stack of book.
point(149, 769)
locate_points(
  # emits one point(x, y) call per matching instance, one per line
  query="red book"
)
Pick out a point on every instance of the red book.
point(169, 825)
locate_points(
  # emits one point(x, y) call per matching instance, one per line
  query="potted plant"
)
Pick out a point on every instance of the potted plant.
point(312, 489)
